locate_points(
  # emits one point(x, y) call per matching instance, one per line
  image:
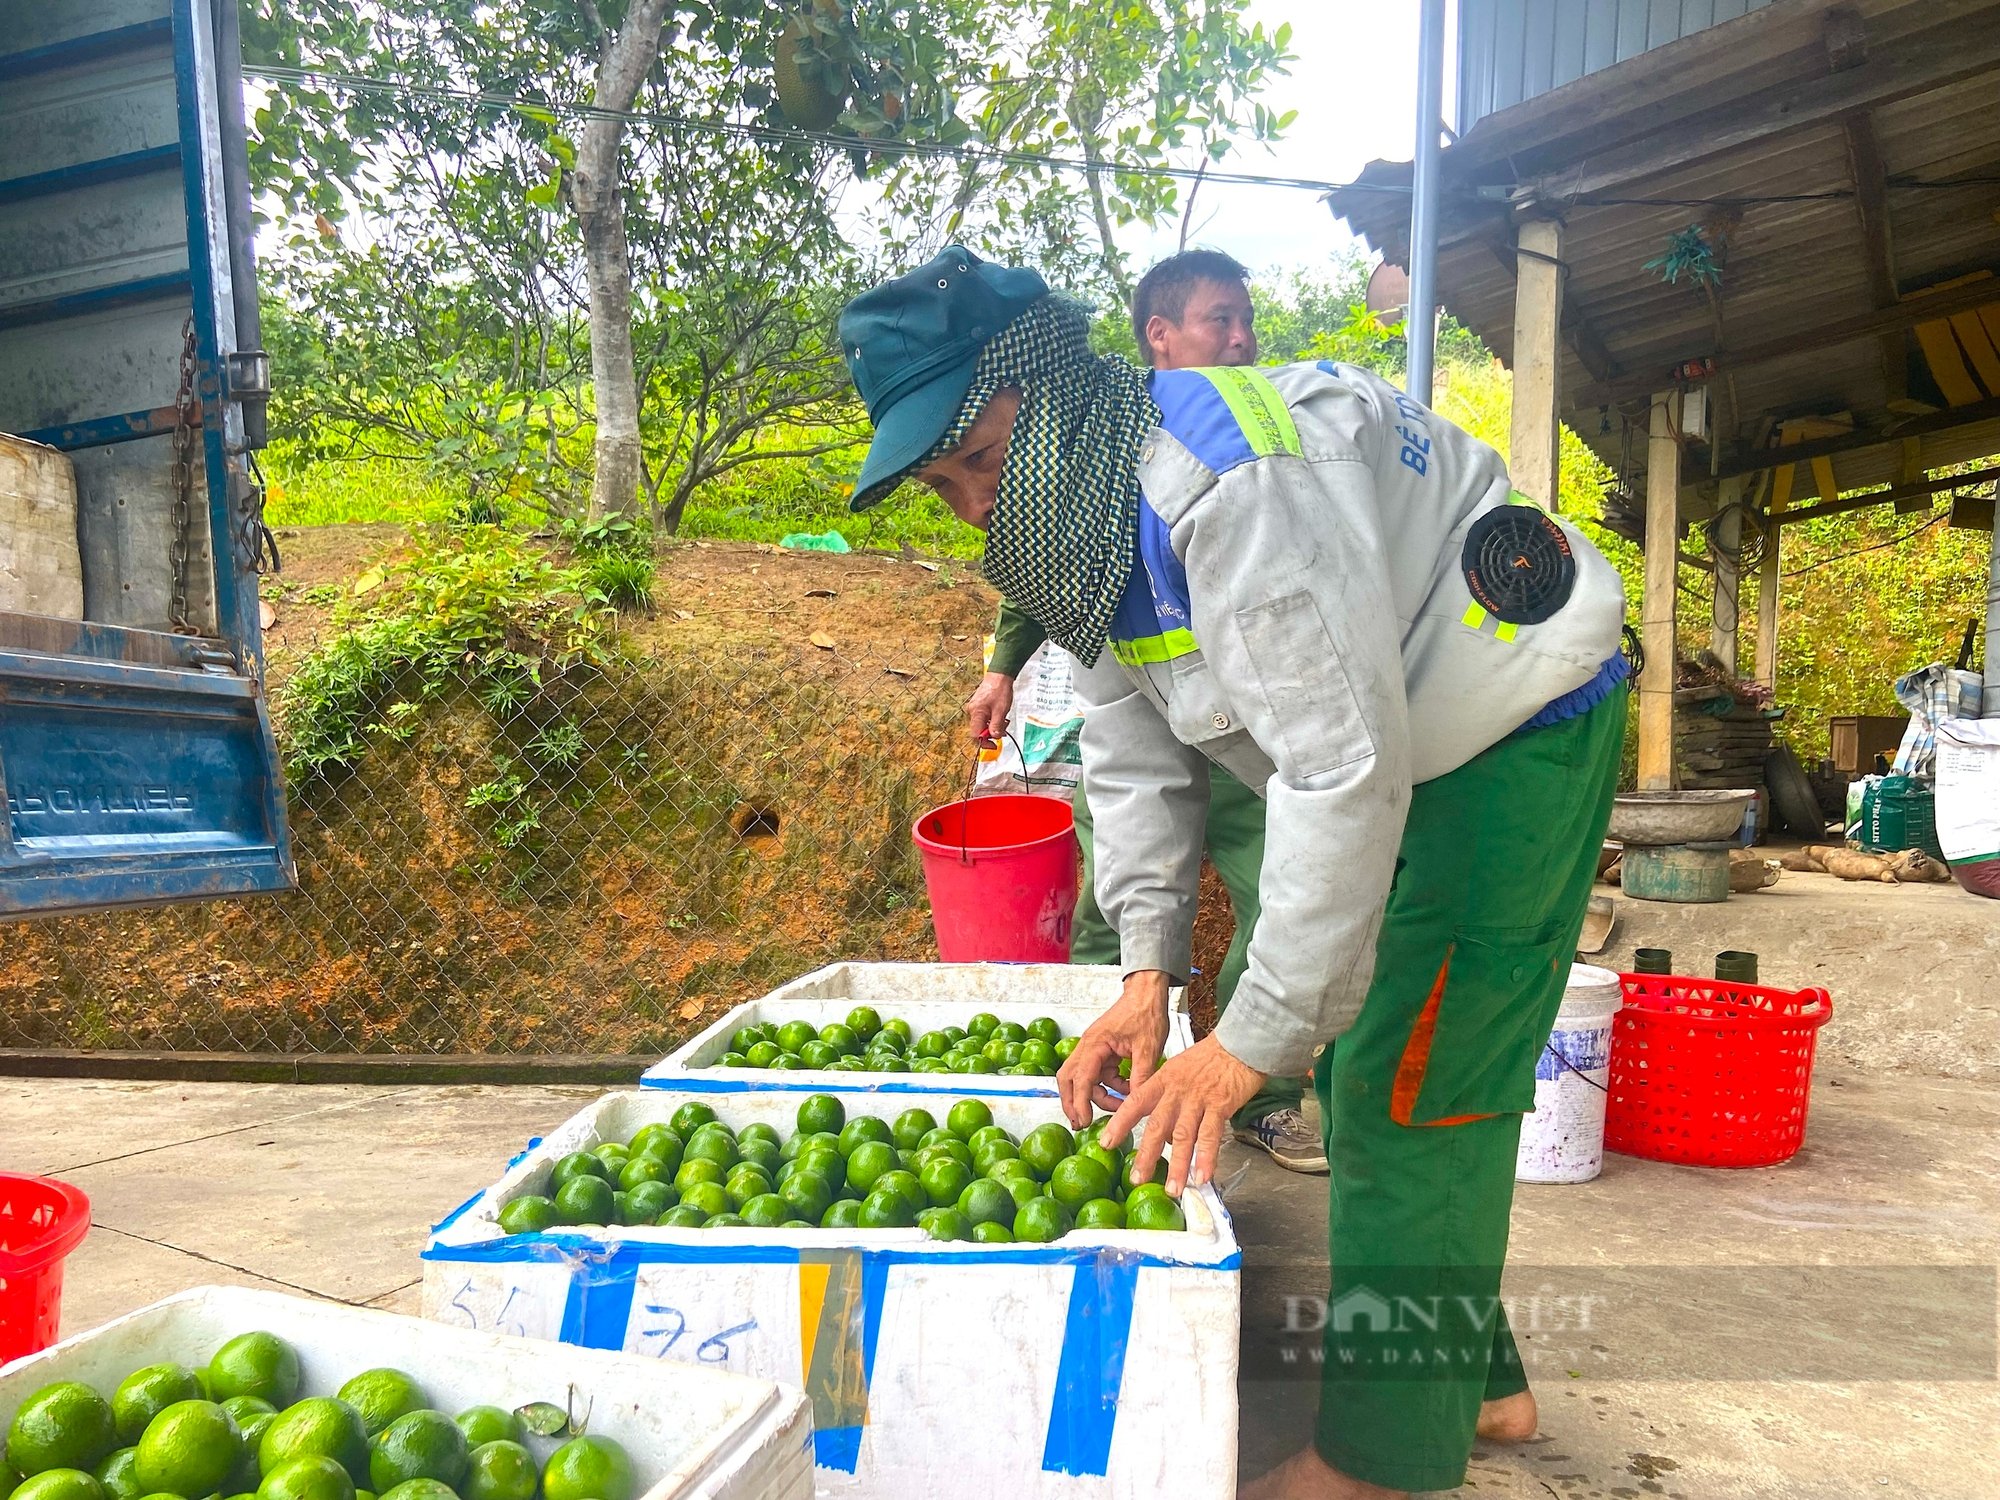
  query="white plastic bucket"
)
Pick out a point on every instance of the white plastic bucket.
point(1563, 1139)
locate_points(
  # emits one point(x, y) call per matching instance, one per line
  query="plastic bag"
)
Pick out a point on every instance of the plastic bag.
point(1932, 694)
point(1968, 801)
point(1046, 727)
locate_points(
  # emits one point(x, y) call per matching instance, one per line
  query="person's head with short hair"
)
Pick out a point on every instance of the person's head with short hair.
point(1192, 311)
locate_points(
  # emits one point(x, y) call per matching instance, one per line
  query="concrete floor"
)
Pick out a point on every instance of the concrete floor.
point(1740, 1313)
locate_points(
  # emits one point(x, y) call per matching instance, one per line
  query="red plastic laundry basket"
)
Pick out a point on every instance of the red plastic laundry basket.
point(41, 1221)
point(1710, 1073)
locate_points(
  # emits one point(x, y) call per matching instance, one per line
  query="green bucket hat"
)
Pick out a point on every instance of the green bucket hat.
point(911, 345)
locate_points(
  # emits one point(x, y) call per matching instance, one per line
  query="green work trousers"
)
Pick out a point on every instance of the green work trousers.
point(1422, 1098)
point(1235, 842)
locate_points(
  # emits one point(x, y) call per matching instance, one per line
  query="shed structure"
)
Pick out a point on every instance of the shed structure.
point(1754, 263)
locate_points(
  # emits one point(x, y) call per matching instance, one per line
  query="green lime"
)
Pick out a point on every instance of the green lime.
point(646, 1202)
point(992, 1234)
point(711, 1143)
point(732, 1060)
point(1041, 1220)
point(759, 1153)
point(841, 1038)
point(589, 1468)
point(885, 1208)
point(683, 1216)
point(988, 1133)
point(795, 1034)
point(1045, 1145)
point(864, 1022)
point(743, 1038)
point(60, 1484)
point(1023, 1189)
point(614, 1155)
point(66, 1425)
point(910, 1128)
point(1044, 1029)
point(380, 1396)
point(987, 1160)
point(1150, 1208)
point(1078, 1179)
point(643, 1169)
point(190, 1448)
point(765, 1211)
point(576, 1164)
point(144, 1394)
point(119, 1474)
point(490, 1424)
point(1041, 1057)
point(707, 1198)
point(862, 1130)
point(825, 1161)
point(867, 1162)
point(900, 1028)
point(761, 1054)
point(943, 1179)
point(499, 1471)
point(529, 1214)
point(1100, 1213)
point(583, 1200)
point(418, 1445)
point(945, 1224)
point(807, 1195)
point(659, 1141)
point(690, 1117)
point(1066, 1046)
point(255, 1364)
point(842, 1213)
point(310, 1476)
point(747, 1182)
point(698, 1170)
point(419, 1489)
point(905, 1183)
point(931, 1044)
point(966, 1116)
point(985, 1201)
point(323, 1425)
point(982, 1024)
point(724, 1220)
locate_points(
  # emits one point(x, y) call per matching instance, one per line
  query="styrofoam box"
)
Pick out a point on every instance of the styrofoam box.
point(692, 1434)
point(928, 996)
point(1103, 1365)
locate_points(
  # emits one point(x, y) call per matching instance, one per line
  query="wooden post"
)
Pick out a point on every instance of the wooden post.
point(1768, 579)
point(1536, 446)
point(1727, 613)
point(1656, 609)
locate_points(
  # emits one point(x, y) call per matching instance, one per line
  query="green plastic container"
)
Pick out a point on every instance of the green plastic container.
point(1898, 813)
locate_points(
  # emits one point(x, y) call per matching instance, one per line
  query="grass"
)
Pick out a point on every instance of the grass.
point(348, 491)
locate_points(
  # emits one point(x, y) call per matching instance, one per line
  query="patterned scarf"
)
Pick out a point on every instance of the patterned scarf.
point(1065, 524)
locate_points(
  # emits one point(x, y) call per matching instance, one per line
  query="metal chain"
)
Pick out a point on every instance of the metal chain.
point(187, 422)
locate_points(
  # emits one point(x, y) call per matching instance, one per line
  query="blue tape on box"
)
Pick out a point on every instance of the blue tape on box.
point(1092, 1367)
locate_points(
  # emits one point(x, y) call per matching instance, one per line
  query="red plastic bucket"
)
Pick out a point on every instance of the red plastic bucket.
point(41, 1221)
point(1709, 1073)
point(1002, 874)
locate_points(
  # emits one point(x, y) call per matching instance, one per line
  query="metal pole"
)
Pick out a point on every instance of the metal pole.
point(1990, 699)
point(1420, 325)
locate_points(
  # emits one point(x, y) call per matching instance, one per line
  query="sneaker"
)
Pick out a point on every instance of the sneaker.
point(1288, 1139)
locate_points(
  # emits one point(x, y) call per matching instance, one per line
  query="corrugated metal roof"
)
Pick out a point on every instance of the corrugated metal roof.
point(1786, 266)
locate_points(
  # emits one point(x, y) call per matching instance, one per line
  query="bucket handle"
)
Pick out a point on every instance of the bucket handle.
point(1551, 1049)
point(972, 780)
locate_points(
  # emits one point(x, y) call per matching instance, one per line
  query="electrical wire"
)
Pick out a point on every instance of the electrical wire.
point(1918, 530)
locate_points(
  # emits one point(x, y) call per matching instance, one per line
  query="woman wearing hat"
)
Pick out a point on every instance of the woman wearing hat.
point(1307, 578)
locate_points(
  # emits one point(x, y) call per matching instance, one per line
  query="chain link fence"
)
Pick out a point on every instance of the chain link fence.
point(591, 859)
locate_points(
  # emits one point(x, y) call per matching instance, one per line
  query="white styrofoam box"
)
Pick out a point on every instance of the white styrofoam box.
point(1100, 1366)
point(41, 566)
point(928, 996)
point(692, 1434)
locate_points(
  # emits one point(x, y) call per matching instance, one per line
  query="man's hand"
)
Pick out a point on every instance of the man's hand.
point(1135, 1027)
point(1188, 1104)
point(988, 707)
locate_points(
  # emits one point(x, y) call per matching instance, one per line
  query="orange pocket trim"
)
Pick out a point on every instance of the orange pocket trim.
point(1415, 1061)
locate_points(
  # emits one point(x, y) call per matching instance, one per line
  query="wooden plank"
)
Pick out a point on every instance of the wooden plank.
point(1750, 461)
point(1770, 580)
point(1920, 64)
point(1725, 613)
point(1656, 608)
point(1947, 365)
point(1533, 457)
point(1843, 503)
point(1871, 208)
point(1972, 338)
point(1918, 308)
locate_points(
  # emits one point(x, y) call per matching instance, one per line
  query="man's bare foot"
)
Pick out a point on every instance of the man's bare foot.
point(1307, 1476)
point(1511, 1419)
